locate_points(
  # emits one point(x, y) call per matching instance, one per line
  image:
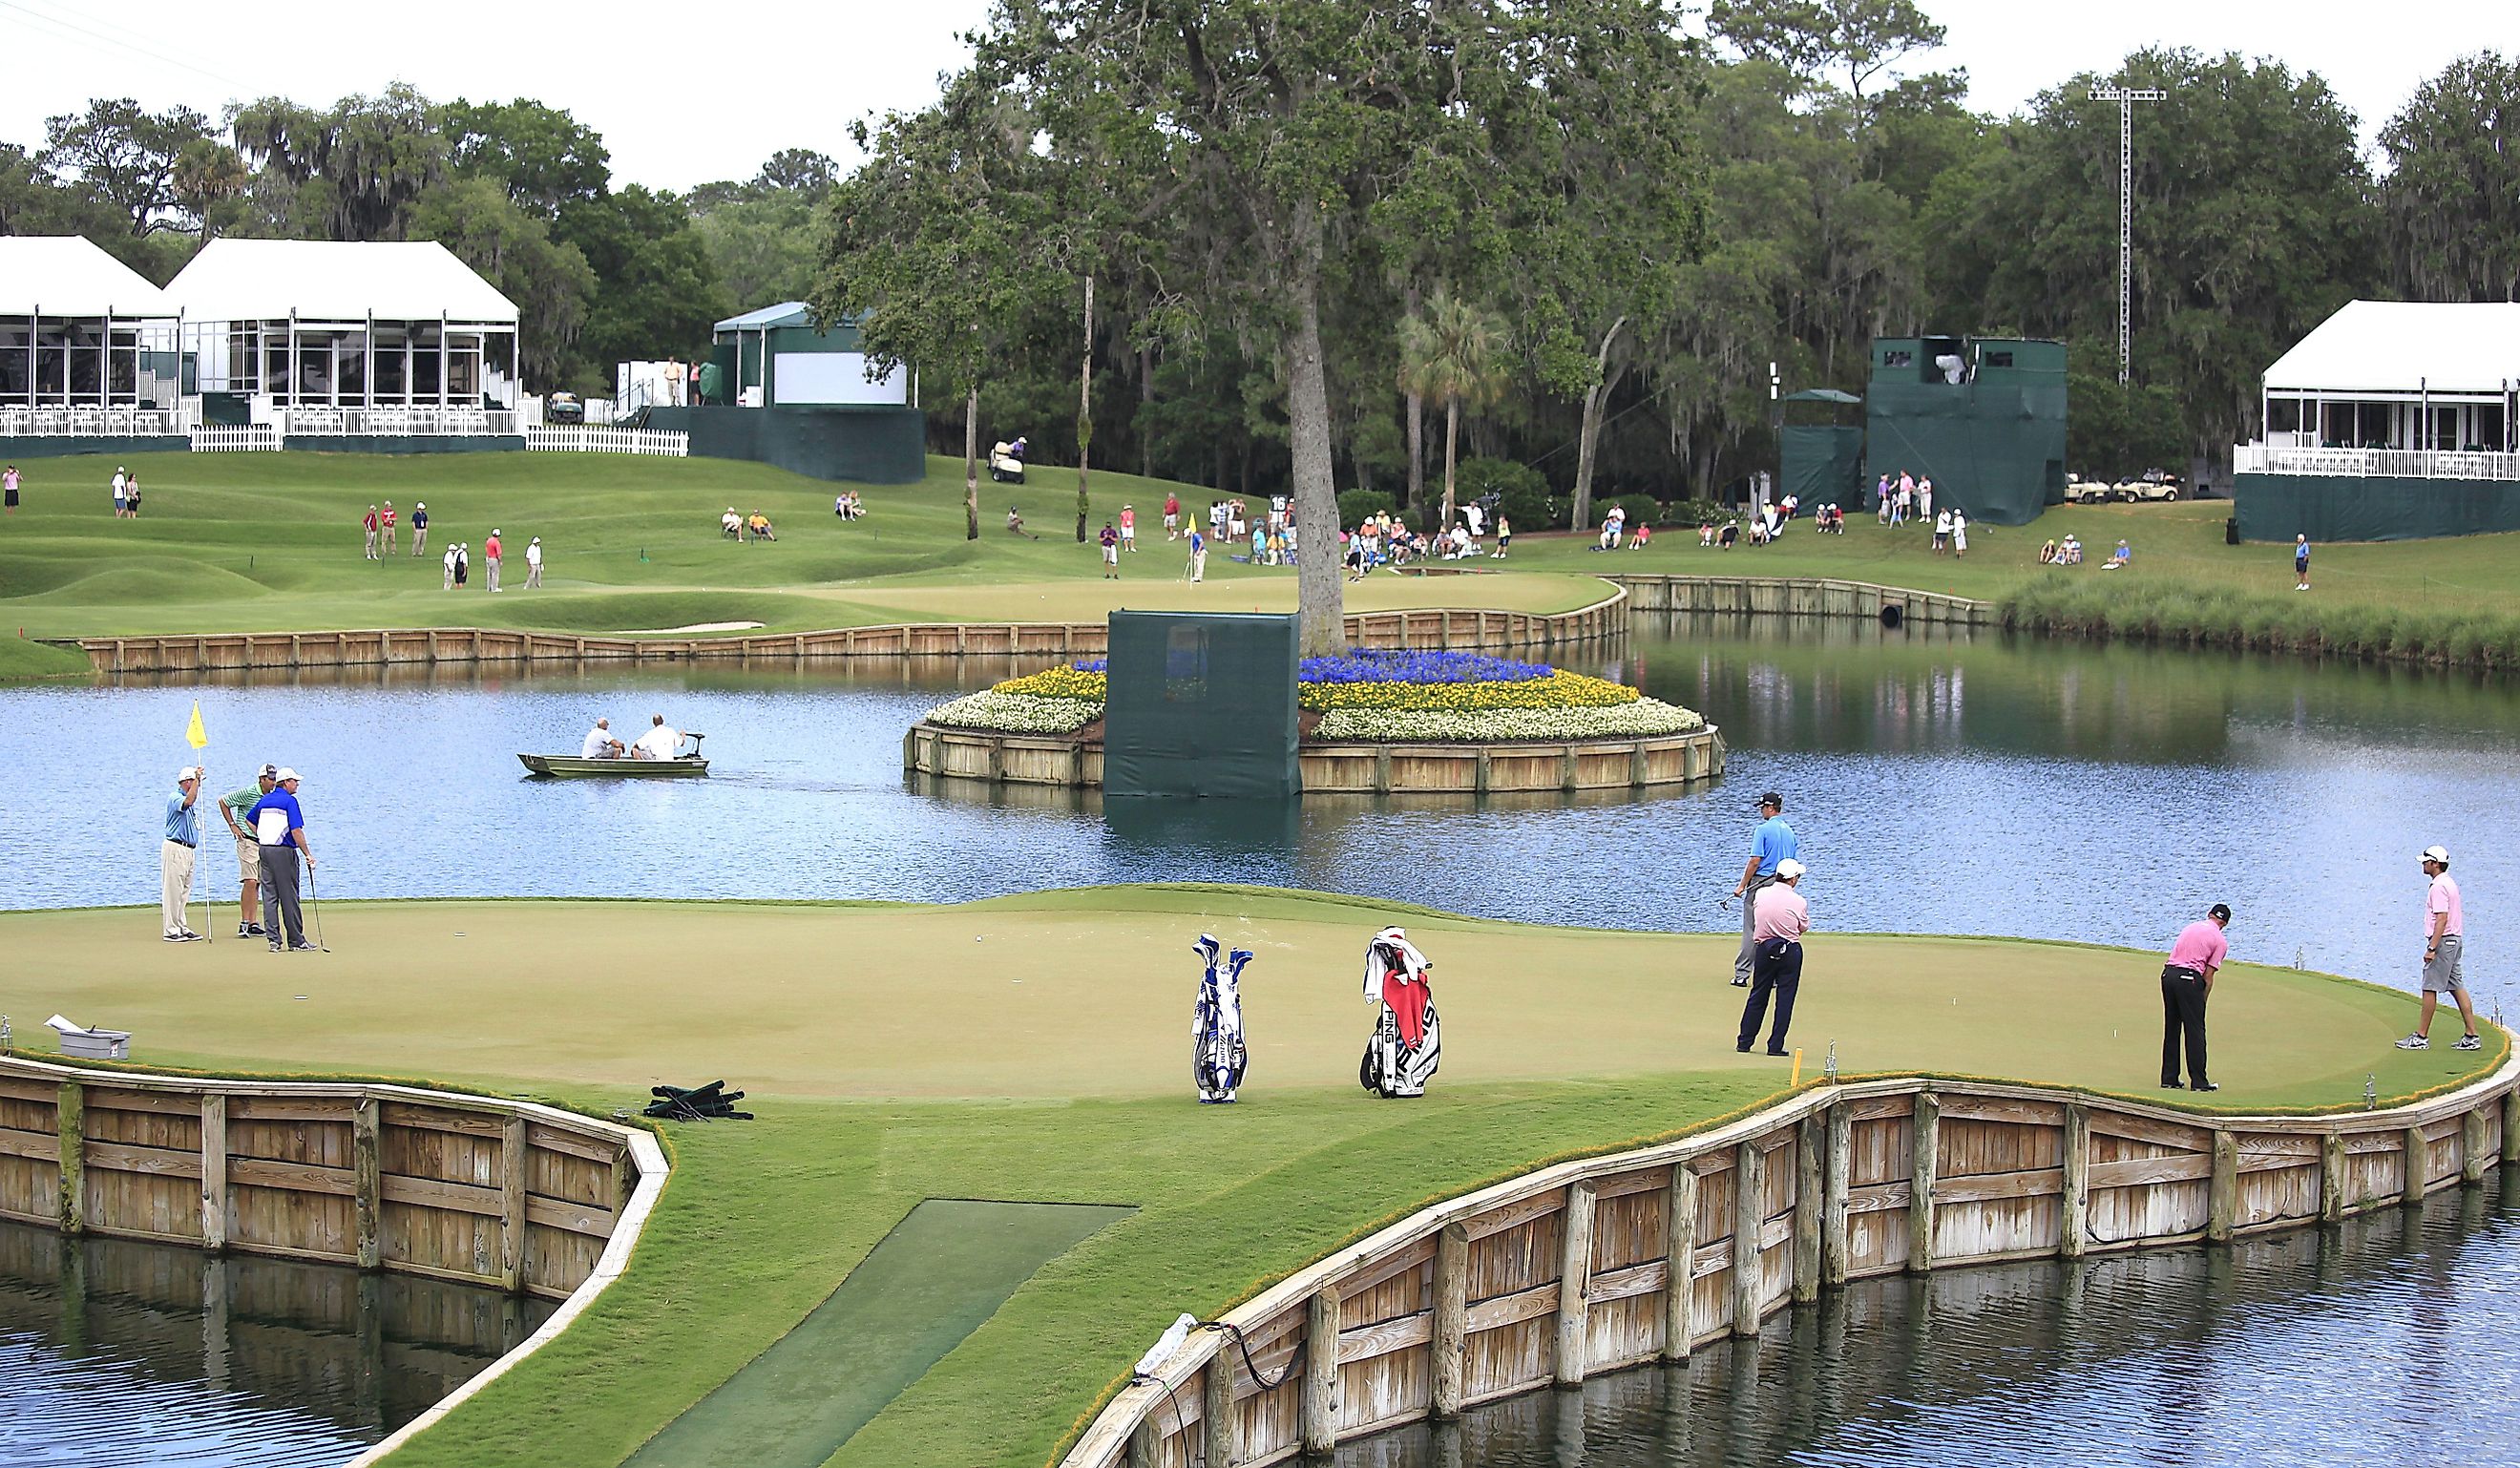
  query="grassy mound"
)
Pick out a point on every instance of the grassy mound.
point(1030, 1048)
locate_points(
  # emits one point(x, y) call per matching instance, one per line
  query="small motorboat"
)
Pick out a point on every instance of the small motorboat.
point(570, 766)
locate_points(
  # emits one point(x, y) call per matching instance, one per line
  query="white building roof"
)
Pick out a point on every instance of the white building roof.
point(327, 280)
point(69, 275)
point(2406, 346)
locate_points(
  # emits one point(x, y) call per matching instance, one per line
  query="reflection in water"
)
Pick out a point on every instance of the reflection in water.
point(2386, 1340)
point(1941, 781)
point(114, 1352)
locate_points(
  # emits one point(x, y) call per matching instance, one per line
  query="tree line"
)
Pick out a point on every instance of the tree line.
point(601, 271)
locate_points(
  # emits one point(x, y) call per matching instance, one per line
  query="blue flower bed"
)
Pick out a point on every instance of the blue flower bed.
point(1360, 665)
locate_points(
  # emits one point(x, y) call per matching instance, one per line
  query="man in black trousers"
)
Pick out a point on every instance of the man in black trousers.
point(2187, 982)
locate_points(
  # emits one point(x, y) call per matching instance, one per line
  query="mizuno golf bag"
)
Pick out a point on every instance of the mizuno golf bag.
point(1407, 1041)
point(1217, 1054)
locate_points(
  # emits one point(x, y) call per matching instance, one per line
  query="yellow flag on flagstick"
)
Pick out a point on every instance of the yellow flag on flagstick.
point(194, 734)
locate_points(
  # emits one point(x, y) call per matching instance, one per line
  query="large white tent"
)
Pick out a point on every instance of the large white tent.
point(71, 322)
point(2400, 374)
point(319, 326)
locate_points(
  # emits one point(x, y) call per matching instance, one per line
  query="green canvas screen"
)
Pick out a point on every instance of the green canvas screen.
point(1200, 703)
point(1994, 443)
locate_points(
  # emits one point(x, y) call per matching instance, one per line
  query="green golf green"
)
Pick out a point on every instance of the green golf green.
point(1034, 1048)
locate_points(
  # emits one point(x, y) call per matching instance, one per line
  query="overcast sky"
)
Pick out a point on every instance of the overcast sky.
point(707, 90)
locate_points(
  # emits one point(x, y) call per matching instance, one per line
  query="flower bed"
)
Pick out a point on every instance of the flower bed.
point(1372, 696)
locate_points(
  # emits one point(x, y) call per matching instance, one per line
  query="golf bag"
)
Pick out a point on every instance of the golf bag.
point(1217, 1054)
point(1408, 1039)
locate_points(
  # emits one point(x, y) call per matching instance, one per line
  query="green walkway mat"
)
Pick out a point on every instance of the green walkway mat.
point(932, 1281)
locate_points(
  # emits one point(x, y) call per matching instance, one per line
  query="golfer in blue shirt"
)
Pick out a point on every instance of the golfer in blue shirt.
point(1773, 842)
point(175, 857)
point(280, 830)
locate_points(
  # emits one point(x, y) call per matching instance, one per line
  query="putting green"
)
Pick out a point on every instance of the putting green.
point(1034, 1048)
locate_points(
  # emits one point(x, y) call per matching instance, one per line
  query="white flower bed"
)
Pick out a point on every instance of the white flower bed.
point(1641, 719)
point(1017, 713)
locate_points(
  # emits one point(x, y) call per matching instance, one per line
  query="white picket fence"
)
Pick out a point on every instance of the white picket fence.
point(577, 438)
point(222, 439)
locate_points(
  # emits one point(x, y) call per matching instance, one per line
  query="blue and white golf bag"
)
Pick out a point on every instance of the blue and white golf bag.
point(1218, 1055)
point(1408, 1040)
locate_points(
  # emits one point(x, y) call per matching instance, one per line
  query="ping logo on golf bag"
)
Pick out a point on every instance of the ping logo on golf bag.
point(1218, 1055)
point(1408, 1039)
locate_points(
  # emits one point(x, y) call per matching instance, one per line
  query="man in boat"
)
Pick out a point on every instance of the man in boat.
point(599, 743)
point(659, 742)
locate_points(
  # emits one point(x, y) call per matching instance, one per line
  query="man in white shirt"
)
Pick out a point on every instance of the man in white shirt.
point(599, 743)
point(534, 561)
point(659, 742)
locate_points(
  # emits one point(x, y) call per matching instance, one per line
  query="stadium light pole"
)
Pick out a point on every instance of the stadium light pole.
point(2125, 98)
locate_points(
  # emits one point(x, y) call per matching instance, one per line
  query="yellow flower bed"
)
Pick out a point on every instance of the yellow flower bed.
point(1560, 690)
point(1062, 681)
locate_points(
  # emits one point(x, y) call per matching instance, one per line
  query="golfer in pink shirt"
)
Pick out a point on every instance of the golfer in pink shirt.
point(2186, 980)
point(2444, 935)
point(1778, 921)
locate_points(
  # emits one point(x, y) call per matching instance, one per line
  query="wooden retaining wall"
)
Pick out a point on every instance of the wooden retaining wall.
point(1359, 768)
point(1801, 597)
point(515, 1196)
point(1464, 629)
point(1571, 1270)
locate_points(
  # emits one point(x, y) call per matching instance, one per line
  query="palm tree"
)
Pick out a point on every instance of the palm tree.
point(1455, 353)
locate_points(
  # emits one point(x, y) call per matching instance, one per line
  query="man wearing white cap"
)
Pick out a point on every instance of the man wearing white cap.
point(1780, 921)
point(237, 809)
point(280, 828)
point(534, 561)
point(2444, 933)
point(420, 527)
point(490, 558)
point(175, 857)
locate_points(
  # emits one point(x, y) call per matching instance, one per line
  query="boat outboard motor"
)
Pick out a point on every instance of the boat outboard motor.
point(1218, 1055)
point(1408, 1038)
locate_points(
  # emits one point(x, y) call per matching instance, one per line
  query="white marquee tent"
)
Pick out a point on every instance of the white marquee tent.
point(2400, 374)
point(325, 325)
point(71, 319)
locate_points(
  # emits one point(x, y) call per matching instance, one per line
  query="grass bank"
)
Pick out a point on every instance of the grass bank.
point(1030, 1048)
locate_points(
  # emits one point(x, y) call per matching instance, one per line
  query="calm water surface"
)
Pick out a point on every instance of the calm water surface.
point(2384, 1341)
point(1940, 784)
point(113, 1353)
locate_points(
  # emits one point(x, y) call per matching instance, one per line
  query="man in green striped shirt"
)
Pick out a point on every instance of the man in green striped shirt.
point(232, 809)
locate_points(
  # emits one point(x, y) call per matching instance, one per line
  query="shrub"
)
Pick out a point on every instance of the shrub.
point(1642, 510)
point(1357, 506)
point(1524, 497)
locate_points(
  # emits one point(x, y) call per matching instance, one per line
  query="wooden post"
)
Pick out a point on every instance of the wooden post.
point(1452, 1318)
point(2223, 1189)
point(1808, 1145)
point(1928, 1129)
point(2073, 1205)
point(1832, 1221)
point(1680, 1251)
point(1574, 1279)
point(2417, 1166)
point(2471, 1148)
point(1321, 1371)
point(367, 1183)
point(1145, 1444)
point(2331, 1177)
point(214, 1172)
point(512, 1184)
point(70, 1103)
point(1216, 1406)
point(2511, 1124)
point(1749, 1194)
point(625, 1181)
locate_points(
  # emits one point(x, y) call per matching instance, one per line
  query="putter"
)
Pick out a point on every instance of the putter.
point(315, 911)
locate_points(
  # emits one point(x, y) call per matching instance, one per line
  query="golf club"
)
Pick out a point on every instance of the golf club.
point(315, 911)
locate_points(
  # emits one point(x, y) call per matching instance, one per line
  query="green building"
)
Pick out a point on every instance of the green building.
point(1983, 417)
point(781, 389)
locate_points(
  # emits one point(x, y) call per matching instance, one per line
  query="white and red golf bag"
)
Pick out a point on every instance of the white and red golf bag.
point(1408, 1039)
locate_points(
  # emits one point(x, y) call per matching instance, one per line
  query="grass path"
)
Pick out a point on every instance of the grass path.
point(1031, 1049)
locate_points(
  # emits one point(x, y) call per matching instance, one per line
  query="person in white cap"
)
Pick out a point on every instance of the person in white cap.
point(420, 527)
point(236, 809)
point(2444, 933)
point(449, 559)
point(534, 561)
point(1780, 920)
point(490, 558)
point(175, 857)
point(280, 828)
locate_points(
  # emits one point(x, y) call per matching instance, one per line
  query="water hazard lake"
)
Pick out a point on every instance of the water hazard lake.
point(1940, 784)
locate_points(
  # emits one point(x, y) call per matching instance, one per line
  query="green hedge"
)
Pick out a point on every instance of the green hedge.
point(2220, 618)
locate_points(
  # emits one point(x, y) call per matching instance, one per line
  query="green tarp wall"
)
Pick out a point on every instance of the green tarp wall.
point(2336, 508)
point(1200, 703)
point(65, 446)
point(869, 445)
point(1994, 445)
point(1823, 465)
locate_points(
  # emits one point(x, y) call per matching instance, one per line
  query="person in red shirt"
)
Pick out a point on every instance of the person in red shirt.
point(490, 558)
point(371, 523)
point(2186, 980)
point(1128, 528)
point(1172, 517)
point(386, 520)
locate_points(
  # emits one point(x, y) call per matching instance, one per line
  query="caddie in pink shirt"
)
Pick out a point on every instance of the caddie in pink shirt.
point(2187, 980)
point(1778, 920)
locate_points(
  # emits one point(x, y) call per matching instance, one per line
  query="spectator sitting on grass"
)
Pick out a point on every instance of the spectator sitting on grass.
point(1731, 532)
point(2121, 556)
point(1643, 534)
point(1705, 534)
point(759, 525)
point(2047, 554)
